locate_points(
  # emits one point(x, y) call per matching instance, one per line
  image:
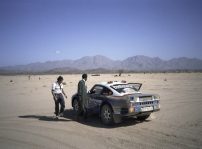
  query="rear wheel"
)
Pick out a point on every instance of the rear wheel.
point(144, 117)
point(76, 106)
point(107, 115)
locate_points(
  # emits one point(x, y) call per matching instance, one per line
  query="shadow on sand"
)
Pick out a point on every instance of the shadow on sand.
point(92, 120)
point(44, 118)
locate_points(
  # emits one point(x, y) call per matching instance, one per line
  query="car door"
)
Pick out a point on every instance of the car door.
point(95, 98)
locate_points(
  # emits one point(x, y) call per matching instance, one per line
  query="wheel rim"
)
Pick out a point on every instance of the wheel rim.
point(76, 106)
point(107, 114)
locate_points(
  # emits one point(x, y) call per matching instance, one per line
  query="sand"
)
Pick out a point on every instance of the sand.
point(26, 115)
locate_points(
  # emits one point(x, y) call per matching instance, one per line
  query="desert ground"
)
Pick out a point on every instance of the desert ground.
point(26, 115)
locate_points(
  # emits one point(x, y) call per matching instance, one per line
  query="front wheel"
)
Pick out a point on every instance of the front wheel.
point(76, 106)
point(107, 115)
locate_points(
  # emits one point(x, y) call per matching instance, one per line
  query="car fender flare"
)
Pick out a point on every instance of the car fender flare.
point(75, 97)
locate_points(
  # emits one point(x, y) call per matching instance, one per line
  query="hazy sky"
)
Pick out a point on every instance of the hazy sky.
point(41, 30)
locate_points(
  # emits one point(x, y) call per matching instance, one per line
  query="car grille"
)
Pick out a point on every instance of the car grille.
point(145, 98)
point(145, 103)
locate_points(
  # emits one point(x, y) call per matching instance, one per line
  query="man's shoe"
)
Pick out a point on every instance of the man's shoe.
point(55, 117)
point(61, 115)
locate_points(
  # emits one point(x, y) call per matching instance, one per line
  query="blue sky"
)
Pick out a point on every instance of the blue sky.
point(42, 30)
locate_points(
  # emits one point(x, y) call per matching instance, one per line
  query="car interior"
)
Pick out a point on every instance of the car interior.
point(100, 90)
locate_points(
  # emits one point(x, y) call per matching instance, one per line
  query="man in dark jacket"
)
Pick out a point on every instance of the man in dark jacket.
point(82, 94)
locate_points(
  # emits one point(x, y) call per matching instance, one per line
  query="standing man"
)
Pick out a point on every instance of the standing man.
point(82, 94)
point(58, 92)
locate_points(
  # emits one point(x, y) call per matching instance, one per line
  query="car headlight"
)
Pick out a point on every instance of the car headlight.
point(133, 98)
point(131, 109)
point(156, 97)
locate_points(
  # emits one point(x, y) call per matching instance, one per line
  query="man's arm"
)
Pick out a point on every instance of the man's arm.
point(52, 91)
point(54, 97)
point(64, 93)
point(80, 90)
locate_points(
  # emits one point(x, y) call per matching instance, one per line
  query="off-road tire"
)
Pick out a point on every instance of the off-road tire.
point(107, 115)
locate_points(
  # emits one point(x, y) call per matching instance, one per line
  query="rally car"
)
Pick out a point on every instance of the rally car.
point(114, 100)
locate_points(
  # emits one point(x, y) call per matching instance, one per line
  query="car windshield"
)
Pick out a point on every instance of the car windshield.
point(127, 88)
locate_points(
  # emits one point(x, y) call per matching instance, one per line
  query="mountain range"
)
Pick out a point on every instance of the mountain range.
point(104, 64)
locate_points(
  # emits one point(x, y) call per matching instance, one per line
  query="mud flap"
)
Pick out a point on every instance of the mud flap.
point(117, 118)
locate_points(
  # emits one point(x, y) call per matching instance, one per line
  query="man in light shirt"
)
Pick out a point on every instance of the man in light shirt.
point(58, 92)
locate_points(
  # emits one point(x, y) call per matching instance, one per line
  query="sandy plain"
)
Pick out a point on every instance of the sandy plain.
point(26, 111)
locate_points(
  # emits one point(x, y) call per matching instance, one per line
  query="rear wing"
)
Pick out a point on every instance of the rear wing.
point(119, 87)
point(136, 86)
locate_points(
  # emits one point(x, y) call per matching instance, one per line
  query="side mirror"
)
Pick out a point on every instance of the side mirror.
point(91, 92)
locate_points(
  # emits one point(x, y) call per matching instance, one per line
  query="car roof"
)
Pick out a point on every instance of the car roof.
point(111, 83)
point(108, 84)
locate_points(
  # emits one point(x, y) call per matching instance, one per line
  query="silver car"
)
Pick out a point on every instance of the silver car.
point(114, 100)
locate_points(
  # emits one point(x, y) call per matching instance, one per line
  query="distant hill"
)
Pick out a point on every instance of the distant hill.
point(99, 64)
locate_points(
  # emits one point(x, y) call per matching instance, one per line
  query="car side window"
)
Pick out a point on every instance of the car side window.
point(97, 90)
point(106, 92)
